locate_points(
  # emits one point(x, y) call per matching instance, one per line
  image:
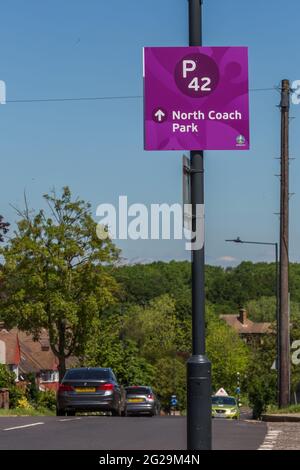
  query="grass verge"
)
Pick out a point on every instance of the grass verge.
point(289, 410)
point(27, 412)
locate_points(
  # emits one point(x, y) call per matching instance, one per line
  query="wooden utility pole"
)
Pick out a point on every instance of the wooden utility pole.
point(284, 320)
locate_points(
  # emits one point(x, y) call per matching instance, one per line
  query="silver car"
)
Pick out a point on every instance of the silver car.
point(90, 389)
point(141, 400)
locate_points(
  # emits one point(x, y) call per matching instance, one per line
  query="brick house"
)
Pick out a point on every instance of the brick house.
point(248, 330)
point(23, 355)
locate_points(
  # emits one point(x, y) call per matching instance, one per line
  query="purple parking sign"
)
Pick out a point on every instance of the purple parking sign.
point(196, 98)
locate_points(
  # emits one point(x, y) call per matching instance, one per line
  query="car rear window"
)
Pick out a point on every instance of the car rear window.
point(224, 401)
point(87, 374)
point(137, 391)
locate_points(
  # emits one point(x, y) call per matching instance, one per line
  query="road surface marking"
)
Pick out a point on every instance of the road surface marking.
point(22, 427)
point(68, 419)
point(270, 440)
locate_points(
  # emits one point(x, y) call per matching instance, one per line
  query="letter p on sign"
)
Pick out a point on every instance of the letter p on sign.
point(188, 66)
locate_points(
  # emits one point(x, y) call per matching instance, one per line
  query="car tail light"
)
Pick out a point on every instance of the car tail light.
point(150, 396)
point(65, 388)
point(106, 387)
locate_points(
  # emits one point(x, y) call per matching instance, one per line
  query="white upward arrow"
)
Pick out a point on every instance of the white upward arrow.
point(160, 115)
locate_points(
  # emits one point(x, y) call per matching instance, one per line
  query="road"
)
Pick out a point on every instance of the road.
point(111, 433)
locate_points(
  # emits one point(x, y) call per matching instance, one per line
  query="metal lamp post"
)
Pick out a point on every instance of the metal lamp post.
point(198, 366)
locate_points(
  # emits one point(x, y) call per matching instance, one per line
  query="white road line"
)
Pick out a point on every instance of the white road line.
point(69, 419)
point(270, 440)
point(22, 427)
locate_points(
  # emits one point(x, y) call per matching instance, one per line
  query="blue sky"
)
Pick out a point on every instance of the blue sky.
point(77, 48)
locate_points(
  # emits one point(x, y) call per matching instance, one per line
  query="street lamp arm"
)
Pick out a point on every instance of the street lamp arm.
point(238, 240)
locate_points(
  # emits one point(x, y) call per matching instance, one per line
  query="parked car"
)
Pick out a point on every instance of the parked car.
point(90, 389)
point(225, 407)
point(141, 400)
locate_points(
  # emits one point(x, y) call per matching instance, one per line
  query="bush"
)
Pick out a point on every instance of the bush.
point(31, 389)
point(15, 396)
point(46, 399)
point(8, 380)
point(23, 404)
point(262, 393)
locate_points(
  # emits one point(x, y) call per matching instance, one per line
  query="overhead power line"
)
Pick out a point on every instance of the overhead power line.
point(101, 98)
point(91, 98)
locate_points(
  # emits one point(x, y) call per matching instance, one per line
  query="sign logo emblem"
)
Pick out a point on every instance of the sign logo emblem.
point(240, 140)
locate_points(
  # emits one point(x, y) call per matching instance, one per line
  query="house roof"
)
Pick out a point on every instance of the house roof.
point(29, 354)
point(34, 356)
point(244, 325)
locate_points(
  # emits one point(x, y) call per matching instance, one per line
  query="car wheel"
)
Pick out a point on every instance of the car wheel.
point(116, 412)
point(71, 413)
point(60, 412)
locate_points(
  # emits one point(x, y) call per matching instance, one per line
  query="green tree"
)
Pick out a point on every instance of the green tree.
point(295, 356)
point(227, 353)
point(55, 274)
point(4, 227)
point(143, 283)
point(159, 340)
point(262, 309)
point(8, 380)
point(153, 328)
point(261, 381)
point(227, 289)
point(110, 348)
point(169, 379)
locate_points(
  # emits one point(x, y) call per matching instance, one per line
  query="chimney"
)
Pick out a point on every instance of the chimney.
point(243, 316)
point(44, 342)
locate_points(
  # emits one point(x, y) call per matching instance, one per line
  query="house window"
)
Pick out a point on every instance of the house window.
point(49, 376)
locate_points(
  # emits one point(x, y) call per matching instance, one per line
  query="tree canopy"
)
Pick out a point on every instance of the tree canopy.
point(55, 276)
point(4, 227)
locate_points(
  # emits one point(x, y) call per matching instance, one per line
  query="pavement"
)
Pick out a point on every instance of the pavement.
point(283, 436)
point(113, 433)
